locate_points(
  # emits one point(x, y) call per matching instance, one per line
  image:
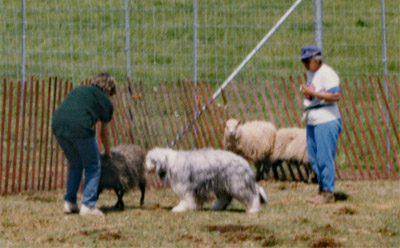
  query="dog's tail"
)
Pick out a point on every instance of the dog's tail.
point(263, 195)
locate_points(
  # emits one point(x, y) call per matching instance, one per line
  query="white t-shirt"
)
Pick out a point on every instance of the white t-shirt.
point(324, 79)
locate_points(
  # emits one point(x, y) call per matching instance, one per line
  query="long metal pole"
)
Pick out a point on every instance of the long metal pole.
point(318, 24)
point(255, 50)
point(240, 67)
point(127, 33)
point(385, 71)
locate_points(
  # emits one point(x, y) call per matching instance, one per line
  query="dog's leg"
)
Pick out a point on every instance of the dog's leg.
point(254, 205)
point(187, 203)
point(223, 200)
point(263, 195)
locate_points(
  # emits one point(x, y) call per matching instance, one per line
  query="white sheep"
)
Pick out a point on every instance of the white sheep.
point(291, 147)
point(253, 140)
point(284, 136)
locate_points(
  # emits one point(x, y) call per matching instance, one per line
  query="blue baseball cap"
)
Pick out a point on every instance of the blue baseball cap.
point(309, 51)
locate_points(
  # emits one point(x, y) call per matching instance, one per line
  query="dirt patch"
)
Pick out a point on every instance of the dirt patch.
point(58, 240)
point(346, 210)
point(323, 230)
point(41, 223)
point(110, 236)
point(238, 233)
point(301, 220)
point(302, 236)
point(287, 185)
point(269, 241)
point(325, 242)
point(190, 237)
point(229, 228)
point(103, 234)
point(387, 231)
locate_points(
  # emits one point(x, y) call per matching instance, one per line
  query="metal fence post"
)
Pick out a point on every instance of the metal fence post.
point(195, 41)
point(194, 64)
point(127, 33)
point(384, 61)
point(318, 24)
point(23, 14)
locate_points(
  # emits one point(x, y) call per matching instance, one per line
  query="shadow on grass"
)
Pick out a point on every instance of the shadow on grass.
point(340, 196)
point(230, 210)
point(111, 209)
point(152, 207)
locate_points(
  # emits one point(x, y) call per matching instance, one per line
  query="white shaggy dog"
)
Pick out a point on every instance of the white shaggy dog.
point(194, 174)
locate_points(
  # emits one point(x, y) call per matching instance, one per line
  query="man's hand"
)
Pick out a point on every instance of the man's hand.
point(307, 90)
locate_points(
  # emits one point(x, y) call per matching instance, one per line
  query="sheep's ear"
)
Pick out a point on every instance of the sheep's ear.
point(239, 122)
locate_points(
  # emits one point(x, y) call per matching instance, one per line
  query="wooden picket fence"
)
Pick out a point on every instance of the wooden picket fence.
point(182, 115)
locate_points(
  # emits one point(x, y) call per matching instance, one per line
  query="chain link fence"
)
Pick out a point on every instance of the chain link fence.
point(153, 40)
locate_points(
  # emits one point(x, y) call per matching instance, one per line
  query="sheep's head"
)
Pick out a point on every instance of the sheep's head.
point(231, 129)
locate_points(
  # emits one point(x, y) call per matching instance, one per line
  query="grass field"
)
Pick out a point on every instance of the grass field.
point(369, 217)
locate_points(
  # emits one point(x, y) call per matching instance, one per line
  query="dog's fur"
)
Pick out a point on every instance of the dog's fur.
point(194, 174)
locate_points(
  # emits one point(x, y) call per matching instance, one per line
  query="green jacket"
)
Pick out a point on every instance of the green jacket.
point(79, 112)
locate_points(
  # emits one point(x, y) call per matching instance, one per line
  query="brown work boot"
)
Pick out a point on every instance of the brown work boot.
point(324, 198)
point(328, 197)
point(314, 198)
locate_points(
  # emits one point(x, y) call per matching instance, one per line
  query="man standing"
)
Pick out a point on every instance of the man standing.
point(323, 121)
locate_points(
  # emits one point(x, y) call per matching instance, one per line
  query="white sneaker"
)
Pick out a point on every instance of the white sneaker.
point(86, 211)
point(70, 208)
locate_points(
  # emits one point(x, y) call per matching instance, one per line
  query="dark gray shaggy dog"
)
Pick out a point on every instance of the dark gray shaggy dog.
point(194, 174)
point(124, 171)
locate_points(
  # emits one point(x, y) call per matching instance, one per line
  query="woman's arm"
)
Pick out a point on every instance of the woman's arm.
point(105, 138)
point(308, 90)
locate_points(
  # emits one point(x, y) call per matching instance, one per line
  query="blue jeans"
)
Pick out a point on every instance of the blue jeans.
point(82, 154)
point(321, 149)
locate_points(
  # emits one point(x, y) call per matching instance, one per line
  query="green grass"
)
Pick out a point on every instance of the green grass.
point(368, 218)
point(77, 39)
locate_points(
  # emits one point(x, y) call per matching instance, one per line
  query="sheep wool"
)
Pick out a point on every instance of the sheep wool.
point(297, 149)
point(124, 171)
point(284, 137)
point(253, 140)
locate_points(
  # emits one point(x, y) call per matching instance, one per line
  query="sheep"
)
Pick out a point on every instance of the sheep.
point(252, 140)
point(124, 171)
point(284, 136)
point(291, 147)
